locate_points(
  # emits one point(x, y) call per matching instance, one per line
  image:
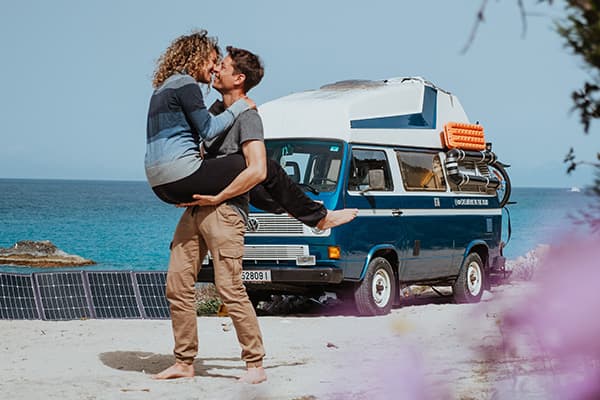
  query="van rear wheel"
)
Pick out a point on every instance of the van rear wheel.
point(376, 293)
point(469, 285)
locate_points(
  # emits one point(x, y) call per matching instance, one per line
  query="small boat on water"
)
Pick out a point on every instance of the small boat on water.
point(575, 189)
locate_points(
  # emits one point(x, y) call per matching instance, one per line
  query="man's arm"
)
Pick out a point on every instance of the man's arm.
point(255, 172)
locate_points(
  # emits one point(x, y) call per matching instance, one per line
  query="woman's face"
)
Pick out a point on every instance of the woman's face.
point(204, 74)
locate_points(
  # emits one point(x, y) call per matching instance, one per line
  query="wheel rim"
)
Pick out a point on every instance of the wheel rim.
point(381, 288)
point(474, 278)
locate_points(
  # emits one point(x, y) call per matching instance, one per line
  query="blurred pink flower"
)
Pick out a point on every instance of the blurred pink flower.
point(563, 316)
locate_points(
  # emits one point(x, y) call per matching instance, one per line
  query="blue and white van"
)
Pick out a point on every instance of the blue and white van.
point(427, 215)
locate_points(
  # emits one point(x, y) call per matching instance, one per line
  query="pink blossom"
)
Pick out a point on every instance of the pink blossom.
point(562, 316)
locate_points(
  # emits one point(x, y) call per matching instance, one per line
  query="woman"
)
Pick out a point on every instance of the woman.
point(178, 120)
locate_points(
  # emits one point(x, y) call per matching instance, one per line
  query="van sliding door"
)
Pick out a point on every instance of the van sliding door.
point(427, 219)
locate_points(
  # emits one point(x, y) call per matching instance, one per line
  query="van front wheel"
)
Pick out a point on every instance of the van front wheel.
point(375, 294)
point(469, 285)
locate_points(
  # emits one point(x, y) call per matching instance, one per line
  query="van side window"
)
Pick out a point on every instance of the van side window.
point(421, 171)
point(362, 162)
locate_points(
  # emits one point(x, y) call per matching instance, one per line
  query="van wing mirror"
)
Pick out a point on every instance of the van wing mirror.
point(376, 180)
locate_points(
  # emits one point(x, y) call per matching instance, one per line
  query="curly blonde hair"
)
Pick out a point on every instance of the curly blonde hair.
point(187, 53)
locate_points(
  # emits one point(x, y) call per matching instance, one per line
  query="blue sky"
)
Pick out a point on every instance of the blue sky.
point(76, 76)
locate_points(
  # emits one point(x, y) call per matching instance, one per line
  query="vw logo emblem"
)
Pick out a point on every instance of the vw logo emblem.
point(253, 225)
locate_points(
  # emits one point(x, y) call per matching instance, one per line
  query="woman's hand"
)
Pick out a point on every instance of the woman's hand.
point(250, 102)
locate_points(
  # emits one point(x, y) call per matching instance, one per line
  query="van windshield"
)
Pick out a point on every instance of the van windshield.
point(314, 164)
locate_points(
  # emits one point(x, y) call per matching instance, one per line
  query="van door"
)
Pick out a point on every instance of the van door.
point(426, 216)
point(378, 223)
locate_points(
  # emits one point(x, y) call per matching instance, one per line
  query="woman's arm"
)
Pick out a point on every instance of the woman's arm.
point(203, 122)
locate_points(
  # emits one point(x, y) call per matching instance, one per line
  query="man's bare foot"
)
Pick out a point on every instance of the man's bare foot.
point(337, 218)
point(253, 376)
point(177, 370)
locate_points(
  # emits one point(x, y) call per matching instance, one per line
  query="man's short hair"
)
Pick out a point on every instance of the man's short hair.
point(247, 63)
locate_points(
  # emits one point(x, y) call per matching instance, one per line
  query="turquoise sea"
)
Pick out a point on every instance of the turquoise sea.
point(122, 226)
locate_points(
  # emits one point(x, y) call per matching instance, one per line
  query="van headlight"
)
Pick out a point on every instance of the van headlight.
point(317, 231)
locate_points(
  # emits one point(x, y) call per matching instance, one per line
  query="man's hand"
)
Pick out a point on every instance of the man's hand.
point(201, 200)
point(255, 172)
point(202, 151)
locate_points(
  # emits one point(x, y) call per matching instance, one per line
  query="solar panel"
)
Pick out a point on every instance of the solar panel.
point(17, 298)
point(62, 295)
point(79, 295)
point(152, 294)
point(113, 295)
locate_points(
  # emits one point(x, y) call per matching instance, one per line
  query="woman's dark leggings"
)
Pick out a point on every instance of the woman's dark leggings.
point(276, 194)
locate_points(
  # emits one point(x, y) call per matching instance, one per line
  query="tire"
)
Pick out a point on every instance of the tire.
point(470, 283)
point(505, 185)
point(376, 293)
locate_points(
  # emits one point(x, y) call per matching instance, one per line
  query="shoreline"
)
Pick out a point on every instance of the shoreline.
point(97, 266)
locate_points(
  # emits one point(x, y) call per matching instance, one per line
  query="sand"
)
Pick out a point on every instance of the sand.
point(430, 348)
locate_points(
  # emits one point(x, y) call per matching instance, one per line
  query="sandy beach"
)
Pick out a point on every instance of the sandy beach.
point(429, 348)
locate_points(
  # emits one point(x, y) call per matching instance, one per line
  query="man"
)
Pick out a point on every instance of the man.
point(219, 228)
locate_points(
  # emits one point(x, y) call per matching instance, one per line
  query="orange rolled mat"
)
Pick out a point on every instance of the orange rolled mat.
point(458, 135)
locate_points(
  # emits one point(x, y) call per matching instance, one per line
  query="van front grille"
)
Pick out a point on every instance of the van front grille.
point(273, 224)
point(271, 252)
point(274, 252)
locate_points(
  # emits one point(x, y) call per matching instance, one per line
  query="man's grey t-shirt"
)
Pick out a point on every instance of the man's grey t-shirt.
point(248, 126)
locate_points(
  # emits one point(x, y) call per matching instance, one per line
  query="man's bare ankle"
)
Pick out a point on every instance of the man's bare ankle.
point(178, 370)
point(253, 375)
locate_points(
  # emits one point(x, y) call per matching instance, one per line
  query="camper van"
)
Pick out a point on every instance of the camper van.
point(428, 187)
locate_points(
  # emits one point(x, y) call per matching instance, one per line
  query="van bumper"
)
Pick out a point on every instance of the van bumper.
point(288, 275)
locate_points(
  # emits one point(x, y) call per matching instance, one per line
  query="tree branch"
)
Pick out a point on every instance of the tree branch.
point(523, 18)
point(478, 20)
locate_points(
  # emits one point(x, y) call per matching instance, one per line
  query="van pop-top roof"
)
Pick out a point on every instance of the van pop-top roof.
point(397, 111)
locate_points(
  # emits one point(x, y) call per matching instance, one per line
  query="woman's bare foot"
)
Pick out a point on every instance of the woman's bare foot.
point(337, 218)
point(177, 370)
point(253, 376)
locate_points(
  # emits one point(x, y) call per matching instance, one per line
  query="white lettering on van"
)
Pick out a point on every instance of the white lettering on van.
point(470, 202)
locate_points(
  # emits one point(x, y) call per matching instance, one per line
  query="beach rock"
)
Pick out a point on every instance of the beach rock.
point(39, 254)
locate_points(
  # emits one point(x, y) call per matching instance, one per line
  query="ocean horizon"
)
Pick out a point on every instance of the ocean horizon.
point(144, 181)
point(121, 225)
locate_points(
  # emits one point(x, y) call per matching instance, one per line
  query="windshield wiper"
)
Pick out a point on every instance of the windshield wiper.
point(310, 188)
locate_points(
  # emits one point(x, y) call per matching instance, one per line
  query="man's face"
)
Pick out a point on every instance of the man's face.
point(225, 77)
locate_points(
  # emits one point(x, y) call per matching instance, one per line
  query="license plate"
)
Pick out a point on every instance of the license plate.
point(263, 275)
